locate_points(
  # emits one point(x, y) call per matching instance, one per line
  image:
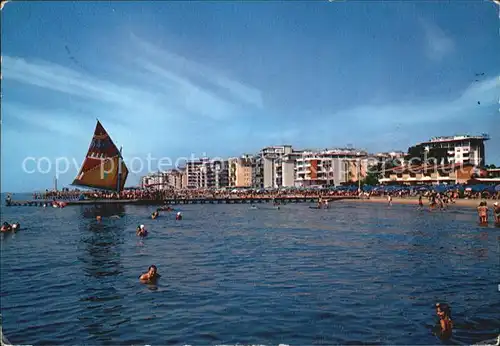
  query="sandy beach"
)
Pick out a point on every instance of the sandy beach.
point(469, 203)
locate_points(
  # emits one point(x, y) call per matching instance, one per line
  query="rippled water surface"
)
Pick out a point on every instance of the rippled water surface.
point(357, 273)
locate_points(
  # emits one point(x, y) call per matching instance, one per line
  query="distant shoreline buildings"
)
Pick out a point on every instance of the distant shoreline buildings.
point(283, 166)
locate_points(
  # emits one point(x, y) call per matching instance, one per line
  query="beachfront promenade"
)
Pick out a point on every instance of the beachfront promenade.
point(193, 200)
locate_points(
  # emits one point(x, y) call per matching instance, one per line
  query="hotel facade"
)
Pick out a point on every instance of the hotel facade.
point(278, 166)
point(240, 171)
point(206, 174)
point(330, 167)
point(452, 149)
point(457, 173)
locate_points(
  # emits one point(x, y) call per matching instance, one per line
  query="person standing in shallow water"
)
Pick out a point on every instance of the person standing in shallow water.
point(482, 211)
point(496, 213)
point(443, 311)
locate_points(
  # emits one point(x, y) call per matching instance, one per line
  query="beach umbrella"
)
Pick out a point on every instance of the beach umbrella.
point(490, 188)
point(497, 188)
point(477, 188)
point(439, 188)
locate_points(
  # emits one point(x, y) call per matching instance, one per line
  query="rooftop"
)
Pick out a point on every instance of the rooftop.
point(483, 137)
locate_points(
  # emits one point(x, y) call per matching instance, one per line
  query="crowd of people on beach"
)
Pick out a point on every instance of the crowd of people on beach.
point(149, 194)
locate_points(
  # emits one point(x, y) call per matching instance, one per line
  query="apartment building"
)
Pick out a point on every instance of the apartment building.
point(278, 166)
point(241, 171)
point(206, 174)
point(184, 180)
point(171, 179)
point(258, 172)
point(174, 179)
point(155, 180)
point(452, 149)
point(330, 167)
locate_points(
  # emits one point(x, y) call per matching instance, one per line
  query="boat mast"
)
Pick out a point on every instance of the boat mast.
point(119, 180)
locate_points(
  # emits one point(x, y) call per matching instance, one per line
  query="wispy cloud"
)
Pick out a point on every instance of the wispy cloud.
point(65, 80)
point(195, 70)
point(169, 84)
point(53, 121)
point(164, 96)
point(437, 44)
point(396, 125)
point(190, 97)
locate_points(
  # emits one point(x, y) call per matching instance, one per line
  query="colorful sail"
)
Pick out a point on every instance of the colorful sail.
point(103, 167)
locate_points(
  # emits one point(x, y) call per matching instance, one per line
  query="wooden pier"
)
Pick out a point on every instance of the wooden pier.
point(177, 201)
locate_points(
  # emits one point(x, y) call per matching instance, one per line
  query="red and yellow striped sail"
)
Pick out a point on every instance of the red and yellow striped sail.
point(101, 166)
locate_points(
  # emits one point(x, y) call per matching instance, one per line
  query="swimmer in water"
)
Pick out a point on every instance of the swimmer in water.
point(154, 215)
point(141, 231)
point(16, 226)
point(151, 276)
point(482, 211)
point(6, 227)
point(178, 216)
point(98, 218)
point(443, 311)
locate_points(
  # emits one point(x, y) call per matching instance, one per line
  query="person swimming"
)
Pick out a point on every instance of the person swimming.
point(6, 227)
point(443, 311)
point(141, 231)
point(151, 276)
point(98, 218)
point(178, 216)
point(16, 226)
point(154, 215)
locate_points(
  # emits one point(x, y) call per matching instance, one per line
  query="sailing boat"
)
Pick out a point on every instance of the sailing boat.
point(103, 167)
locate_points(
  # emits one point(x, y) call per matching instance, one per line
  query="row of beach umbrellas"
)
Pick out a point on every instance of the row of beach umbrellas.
point(436, 188)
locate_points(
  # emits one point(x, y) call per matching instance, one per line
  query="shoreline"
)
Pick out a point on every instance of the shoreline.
point(469, 203)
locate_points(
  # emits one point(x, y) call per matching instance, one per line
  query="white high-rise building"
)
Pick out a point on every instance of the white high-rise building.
point(330, 167)
point(278, 166)
point(207, 174)
point(453, 149)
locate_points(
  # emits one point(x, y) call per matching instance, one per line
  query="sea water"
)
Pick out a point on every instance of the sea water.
point(357, 273)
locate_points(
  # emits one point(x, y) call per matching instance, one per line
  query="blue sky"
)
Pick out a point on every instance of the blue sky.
point(177, 78)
